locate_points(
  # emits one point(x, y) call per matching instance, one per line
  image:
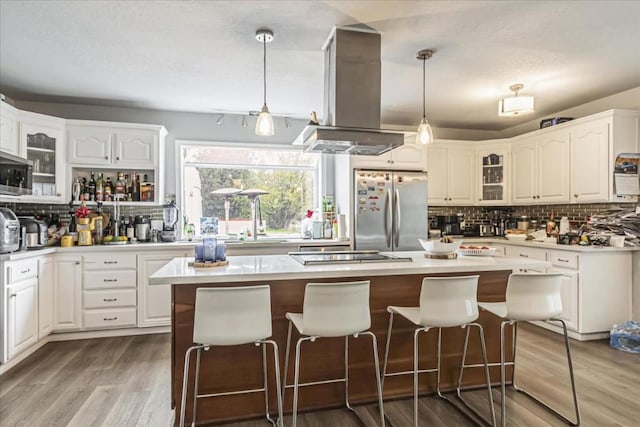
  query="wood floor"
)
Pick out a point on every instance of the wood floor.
point(124, 381)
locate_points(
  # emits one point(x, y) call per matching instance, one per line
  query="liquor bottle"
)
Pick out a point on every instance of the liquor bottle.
point(99, 188)
point(92, 188)
point(135, 188)
point(551, 226)
point(120, 184)
point(108, 186)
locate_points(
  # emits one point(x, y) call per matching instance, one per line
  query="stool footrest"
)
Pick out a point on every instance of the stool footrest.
point(480, 365)
point(420, 371)
point(230, 393)
point(340, 380)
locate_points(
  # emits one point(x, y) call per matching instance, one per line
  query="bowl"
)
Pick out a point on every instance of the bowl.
point(516, 237)
point(438, 247)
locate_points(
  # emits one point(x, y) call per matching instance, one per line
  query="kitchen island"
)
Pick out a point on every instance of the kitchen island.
point(392, 283)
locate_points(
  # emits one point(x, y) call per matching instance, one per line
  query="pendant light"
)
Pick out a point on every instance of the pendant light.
point(515, 105)
point(425, 133)
point(264, 125)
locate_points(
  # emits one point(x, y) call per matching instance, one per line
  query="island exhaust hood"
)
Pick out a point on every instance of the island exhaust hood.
point(352, 87)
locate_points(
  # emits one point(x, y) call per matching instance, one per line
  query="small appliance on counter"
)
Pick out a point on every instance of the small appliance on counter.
point(169, 219)
point(36, 233)
point(487, 230)
point(9, 231)
point(449, 224)
point(143, 228)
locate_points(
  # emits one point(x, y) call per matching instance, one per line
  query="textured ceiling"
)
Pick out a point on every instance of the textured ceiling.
point(202, 56)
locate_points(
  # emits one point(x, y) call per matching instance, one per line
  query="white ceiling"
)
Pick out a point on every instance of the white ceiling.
point(202, 56)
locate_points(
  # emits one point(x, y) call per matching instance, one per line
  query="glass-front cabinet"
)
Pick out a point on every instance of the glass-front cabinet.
point(492, 180)
point(42, 140)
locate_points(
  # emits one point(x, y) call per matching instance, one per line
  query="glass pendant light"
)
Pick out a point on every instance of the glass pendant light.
point(264, 125)
point(425, 133)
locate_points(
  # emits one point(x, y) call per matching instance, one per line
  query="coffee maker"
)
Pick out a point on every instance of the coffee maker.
point(169, 219)
point(449, 224)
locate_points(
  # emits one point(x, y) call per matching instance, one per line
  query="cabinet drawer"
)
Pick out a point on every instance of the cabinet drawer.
point(110, 298)
point(109, 279)
point(523, 252)
point(109, 318)
point(107, 261)
point(23, 269)
point(563, 259)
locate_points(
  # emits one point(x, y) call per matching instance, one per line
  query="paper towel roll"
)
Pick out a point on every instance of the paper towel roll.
point(342, 226)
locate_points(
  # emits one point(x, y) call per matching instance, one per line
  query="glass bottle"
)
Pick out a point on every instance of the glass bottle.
point(120, 184)
point(108, 186)
point(92, 188)
point(135, 187)
point(99, 188)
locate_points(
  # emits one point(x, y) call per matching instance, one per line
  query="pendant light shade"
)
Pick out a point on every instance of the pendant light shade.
point(264, 125)
point(425, 133)
point(515, 105)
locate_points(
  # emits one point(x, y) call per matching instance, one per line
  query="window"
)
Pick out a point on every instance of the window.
point(290, 178)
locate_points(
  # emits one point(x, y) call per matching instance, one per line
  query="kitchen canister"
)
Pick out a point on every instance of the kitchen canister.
point(342, 227)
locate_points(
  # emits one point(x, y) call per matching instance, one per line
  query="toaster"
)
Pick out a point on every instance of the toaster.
point(9, 231)
point(36, 233)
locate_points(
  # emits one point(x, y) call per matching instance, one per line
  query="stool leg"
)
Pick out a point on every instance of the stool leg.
point(464, 359)
point(415, 377)
point(185, 383)
point(195, 387)
point(386, 351)
point(486, 370)
point(438, 365)
point(296, 379)
point(503, 388)
point(346, 373)
point(266, 383)
point(276, 362)
point(286, 362)
point(376, 361)
point(513, 354)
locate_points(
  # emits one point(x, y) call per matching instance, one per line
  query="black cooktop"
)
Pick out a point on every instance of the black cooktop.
point(308, 258)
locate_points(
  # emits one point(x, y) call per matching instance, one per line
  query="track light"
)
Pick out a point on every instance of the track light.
point(244, 121)
point(287, 124)
point(220, 120)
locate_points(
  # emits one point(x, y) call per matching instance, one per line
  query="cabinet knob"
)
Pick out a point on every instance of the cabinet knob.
point(13, 295)
point(58, 194)
point(480, 199)
point(77, 262)
point(117, 158)
point(106, 157)
point(575, 195)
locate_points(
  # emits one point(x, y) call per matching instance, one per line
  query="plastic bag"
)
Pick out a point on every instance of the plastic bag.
point(626, 337)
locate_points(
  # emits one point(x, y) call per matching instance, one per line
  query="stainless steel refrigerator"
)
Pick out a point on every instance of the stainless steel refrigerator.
point(390, 210)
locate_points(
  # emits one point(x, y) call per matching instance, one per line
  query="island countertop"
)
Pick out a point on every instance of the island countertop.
point(283, 267)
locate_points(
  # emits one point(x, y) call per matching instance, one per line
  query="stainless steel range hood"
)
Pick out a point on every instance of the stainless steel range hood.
point(352, 89)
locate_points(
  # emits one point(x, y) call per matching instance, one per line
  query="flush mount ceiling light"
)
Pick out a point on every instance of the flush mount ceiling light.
point(515, 105)
point(264, 125)
point(425, 134)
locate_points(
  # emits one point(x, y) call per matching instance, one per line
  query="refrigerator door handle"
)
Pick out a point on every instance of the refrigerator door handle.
point(387, 217)
point(397, 217)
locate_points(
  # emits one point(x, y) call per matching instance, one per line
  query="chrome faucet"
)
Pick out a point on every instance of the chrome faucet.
point(256, 212)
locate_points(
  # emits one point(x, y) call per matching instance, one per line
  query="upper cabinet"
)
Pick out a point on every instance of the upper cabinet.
point(540, 168)
point(451, 169)
point(410, 156)
point(590, 162)
point(9, 141)
point(492, 161)
point(114, 145)
point(42, 139)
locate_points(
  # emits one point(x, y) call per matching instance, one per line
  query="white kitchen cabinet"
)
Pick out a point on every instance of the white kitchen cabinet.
point(409, 156)
point(493, 175)
point(154, 301)
point(114, 145)
point(540, 168)
point(67, 293)
point(9, 141)
point(590, 162)
point(22, 316)
point(45, 296)
point(451, 169)
point(42, 141)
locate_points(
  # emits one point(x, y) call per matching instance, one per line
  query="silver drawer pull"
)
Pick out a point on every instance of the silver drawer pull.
point(563, 260)
point(110, 262)
point(524, 256)
point(109, 299)
point(109, 280)
point(25, 271)
point(110, 318)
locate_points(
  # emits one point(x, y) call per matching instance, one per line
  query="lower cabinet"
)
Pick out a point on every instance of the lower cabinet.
point(154, 301)
point(67, 293)
point(45, 296)
point(22, 315)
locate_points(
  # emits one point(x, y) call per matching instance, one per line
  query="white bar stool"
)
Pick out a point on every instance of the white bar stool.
point(232, 316)
point(530, 297)
point(445, 302)
point(331, 310)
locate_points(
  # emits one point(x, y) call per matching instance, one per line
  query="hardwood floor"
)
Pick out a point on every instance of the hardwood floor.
point(124, 381)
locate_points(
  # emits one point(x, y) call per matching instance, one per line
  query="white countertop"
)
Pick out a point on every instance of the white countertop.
point(283, 267)
point(553, 246)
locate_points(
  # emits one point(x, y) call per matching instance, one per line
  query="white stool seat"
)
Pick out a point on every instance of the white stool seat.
point(444, 302)
point(331, 310)
point(497, 308)
point(225, 316)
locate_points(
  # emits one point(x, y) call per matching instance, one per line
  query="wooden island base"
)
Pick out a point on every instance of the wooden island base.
point(240, 367)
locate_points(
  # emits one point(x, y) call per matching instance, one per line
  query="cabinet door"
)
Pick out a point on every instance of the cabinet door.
point(135, 148)
point(67, 294)
point(409, 157)
point(382, 161)
point(45, 296)
point(9, 141)
point(590, 162)
point(43, 144)
point(22, 316)
point(492, 167)
point(569, 295)
point(89, 145)
point(461, 173)
point(524, 172)
point(553, 167)
point(154, 301)
point(437, 168)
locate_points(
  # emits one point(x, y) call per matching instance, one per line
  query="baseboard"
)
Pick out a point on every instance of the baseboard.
point(573, 334)
point(80, 335)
